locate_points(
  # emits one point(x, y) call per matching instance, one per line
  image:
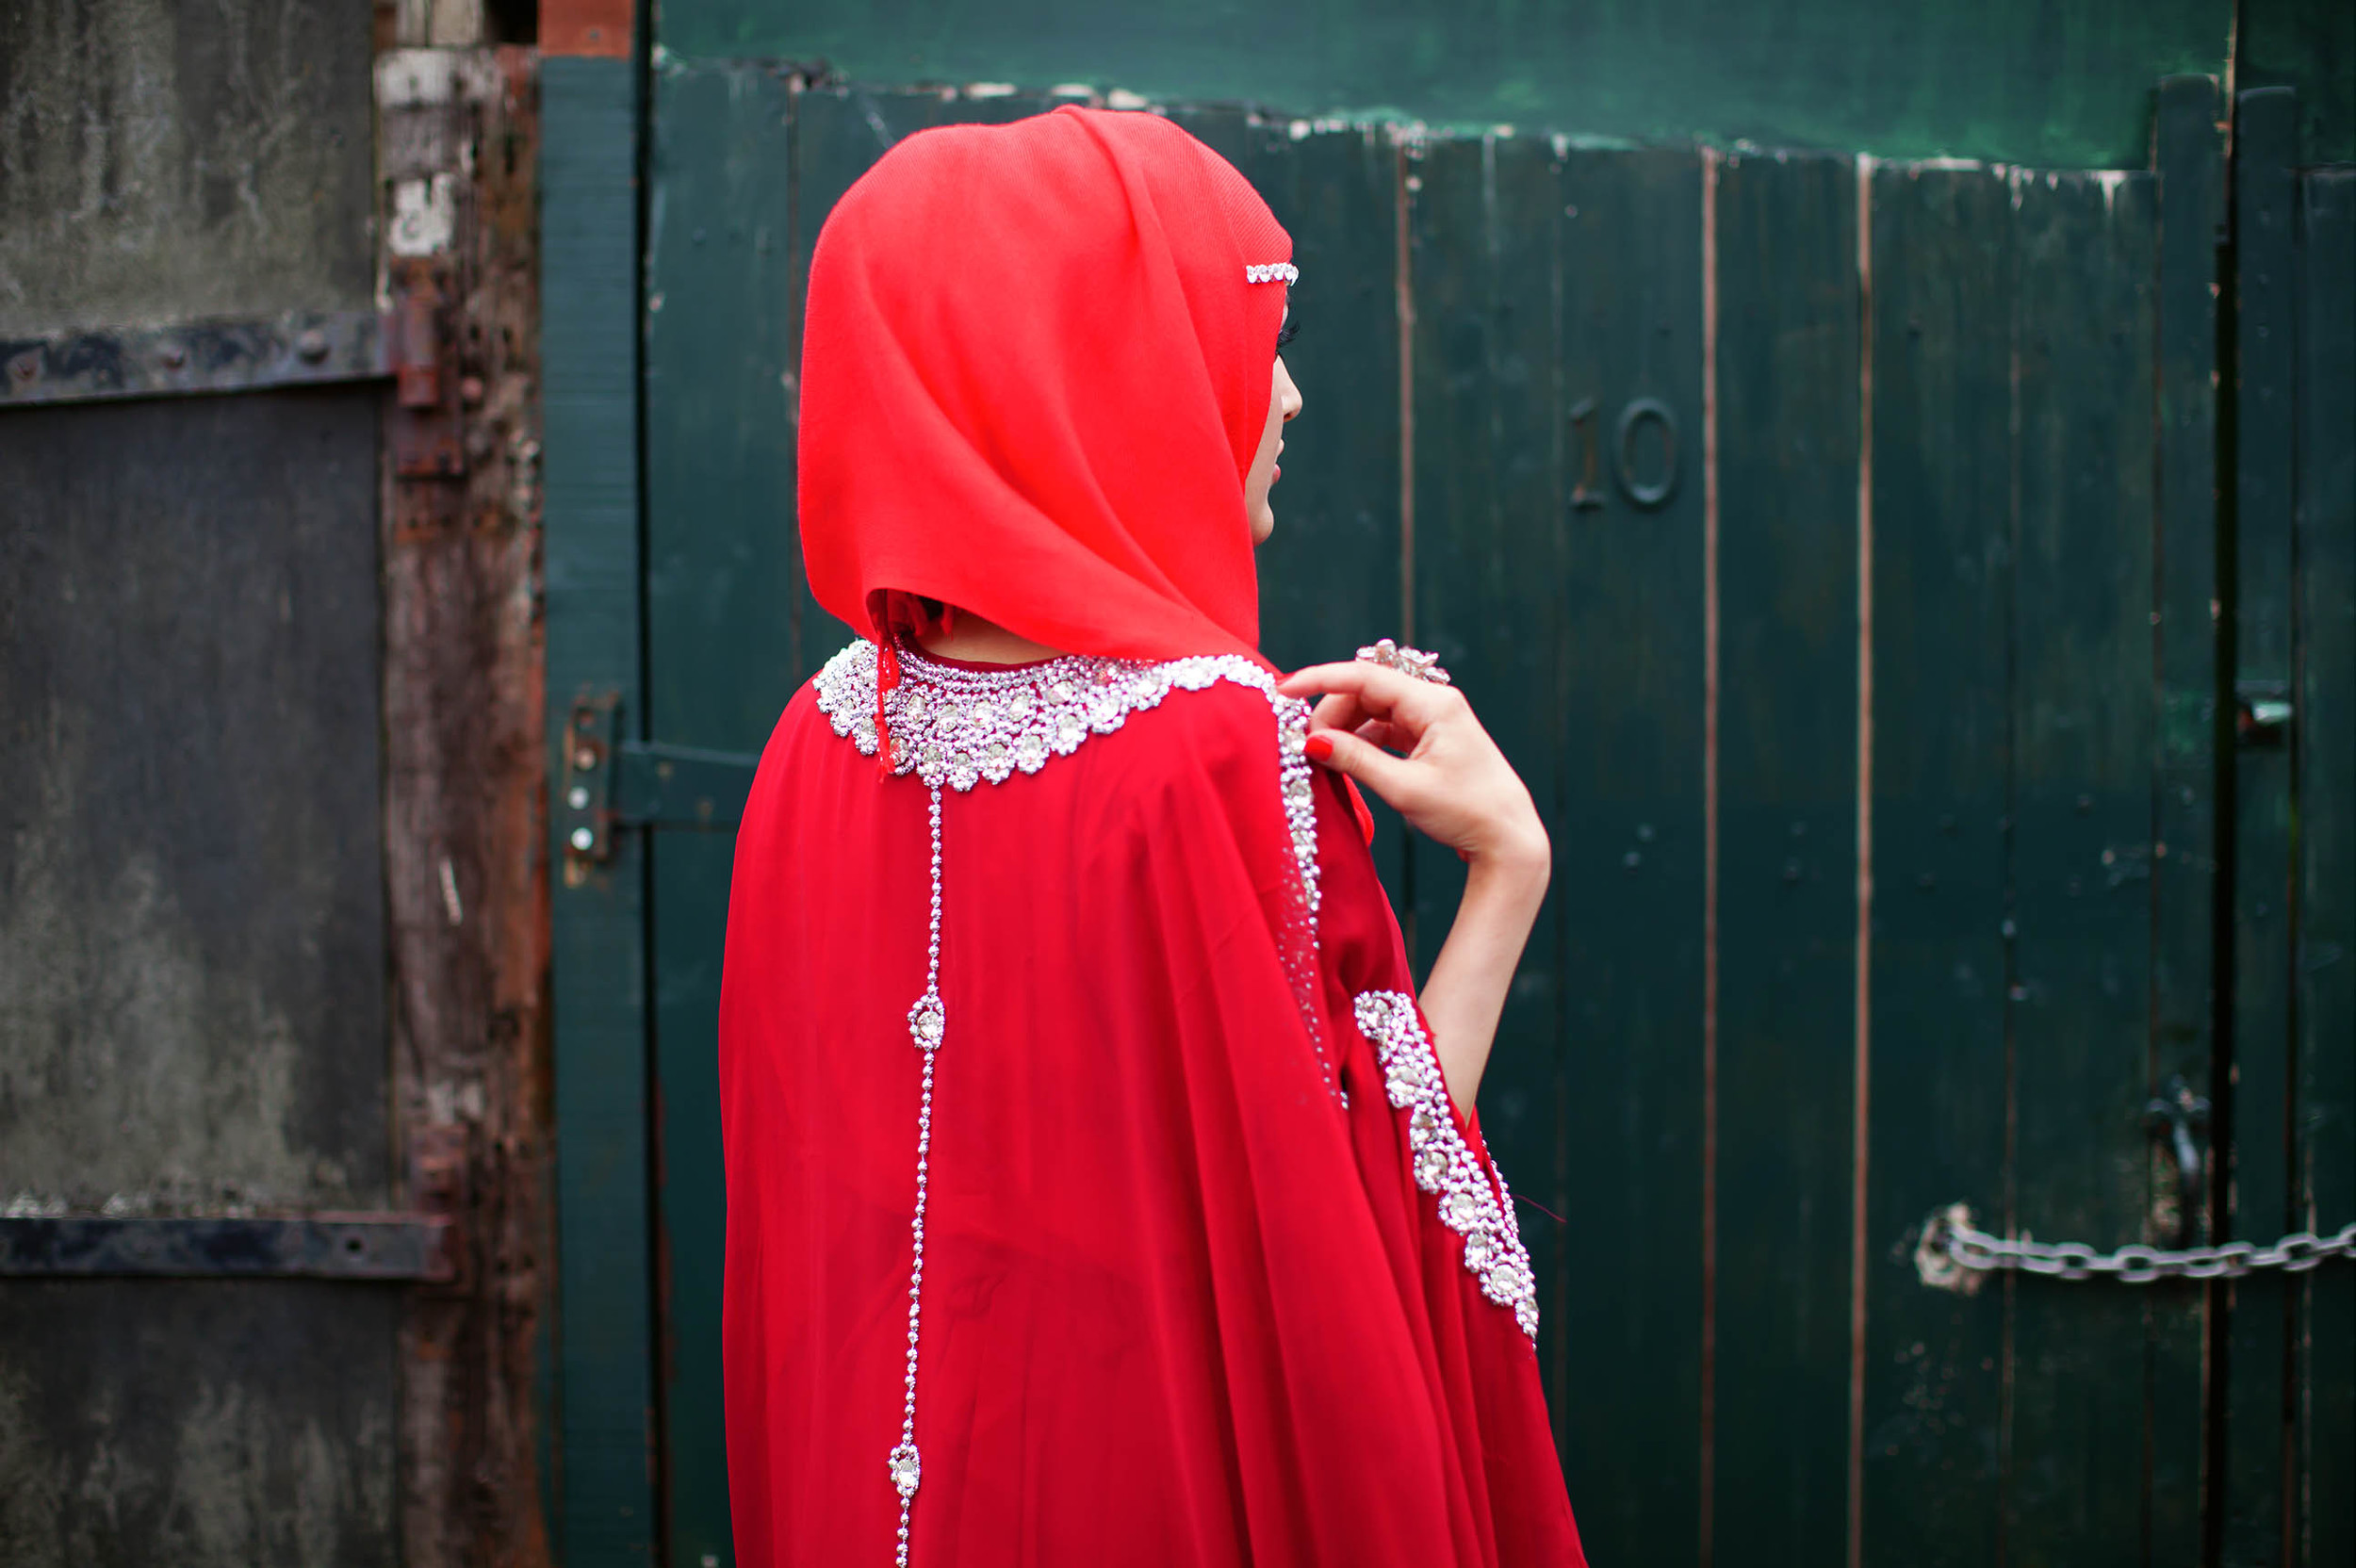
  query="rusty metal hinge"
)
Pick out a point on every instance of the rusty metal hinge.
point(397, 1247)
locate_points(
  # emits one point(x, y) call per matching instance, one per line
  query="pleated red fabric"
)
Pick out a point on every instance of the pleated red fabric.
point(1195, 1289)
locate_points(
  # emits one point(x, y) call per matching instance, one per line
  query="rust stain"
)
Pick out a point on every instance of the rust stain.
point(467, 871)
point(594, 29)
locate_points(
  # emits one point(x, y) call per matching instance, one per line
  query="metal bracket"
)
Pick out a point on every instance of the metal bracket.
point(2262, 714)
point(225, 354)
point(2180, 1115)
point(413, 1248)
point(611, 783)
point(584, 801)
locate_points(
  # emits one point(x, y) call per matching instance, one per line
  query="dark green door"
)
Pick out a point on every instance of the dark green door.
point(1836, 548)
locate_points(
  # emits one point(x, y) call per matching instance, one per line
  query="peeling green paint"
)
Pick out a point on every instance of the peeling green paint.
point(2039, 82)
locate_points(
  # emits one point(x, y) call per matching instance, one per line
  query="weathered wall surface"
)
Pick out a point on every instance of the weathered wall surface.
point(161, 161)
point(191, 921)
point(231, 1423)
point(193, 967)
point(2051, 83)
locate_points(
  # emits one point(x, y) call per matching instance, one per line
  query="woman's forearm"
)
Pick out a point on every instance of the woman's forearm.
point(1466, 995)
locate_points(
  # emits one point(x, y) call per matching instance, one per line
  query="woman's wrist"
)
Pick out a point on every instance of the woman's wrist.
point(1517, 860)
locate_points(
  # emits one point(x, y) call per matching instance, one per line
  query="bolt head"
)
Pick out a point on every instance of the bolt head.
point(312, 346)
point(173, 357)
point(584, 840)
point(579, 798)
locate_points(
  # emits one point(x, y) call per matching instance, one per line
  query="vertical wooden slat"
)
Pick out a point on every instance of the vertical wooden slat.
point(1788, 398)
point(721, 556)
point(1630, 846)
point(1943, 502)
point(1629, 854)
point(2189, 158)
point(589, 217)
point(2080, 964)
point(2324, 1135)
point(2248, 1472)
point(1487, 583)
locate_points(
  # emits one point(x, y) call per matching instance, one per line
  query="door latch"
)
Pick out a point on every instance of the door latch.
point(2182, 1117)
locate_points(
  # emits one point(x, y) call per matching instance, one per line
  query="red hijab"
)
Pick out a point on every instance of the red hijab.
point(1035, 370)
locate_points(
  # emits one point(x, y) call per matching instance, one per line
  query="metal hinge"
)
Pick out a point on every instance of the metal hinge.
point(425, 1244)
point(610, 783)
point(403, 1247)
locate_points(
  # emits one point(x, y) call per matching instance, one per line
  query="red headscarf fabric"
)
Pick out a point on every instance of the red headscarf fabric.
point(1036, 365)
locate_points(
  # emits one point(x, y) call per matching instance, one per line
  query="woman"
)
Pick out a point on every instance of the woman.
point(1098, 1191)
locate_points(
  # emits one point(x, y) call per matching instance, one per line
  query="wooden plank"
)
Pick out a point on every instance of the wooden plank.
point(1329, 576)
point(721, 348)
point(2324, 1134)
point(2246, 1473)
point(2189, 158)
point(2081, 800)
point(1789, 412)
point(1942, 385)
point(721, 345)
point(1487, 599)
point(1630, 678)
point(589, 293)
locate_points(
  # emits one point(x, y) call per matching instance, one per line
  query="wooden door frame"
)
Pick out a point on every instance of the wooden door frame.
point(600, 1403)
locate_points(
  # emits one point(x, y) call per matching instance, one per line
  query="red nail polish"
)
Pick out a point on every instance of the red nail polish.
point(1317, 747)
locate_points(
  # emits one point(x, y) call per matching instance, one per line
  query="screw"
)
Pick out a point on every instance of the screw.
point(312, 346)
point(26, 367)
point(584, 840)
point(578, 799)
point(585, 759)
point(174, 356)
point(1632, 860)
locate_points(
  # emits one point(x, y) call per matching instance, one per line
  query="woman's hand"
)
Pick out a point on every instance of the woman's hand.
point(1453, 783)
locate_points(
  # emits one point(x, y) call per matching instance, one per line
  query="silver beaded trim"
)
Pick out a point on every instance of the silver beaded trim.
point(1471, 1204)
point(1274, 271)
point(961, 727)
point(929, 1025)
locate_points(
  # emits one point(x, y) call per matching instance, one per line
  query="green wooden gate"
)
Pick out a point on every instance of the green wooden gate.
point(1895, 614)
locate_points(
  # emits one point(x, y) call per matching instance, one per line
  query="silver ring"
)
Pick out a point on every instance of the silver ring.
point(1408, 662)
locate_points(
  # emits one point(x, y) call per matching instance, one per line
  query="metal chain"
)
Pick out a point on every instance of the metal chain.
point(1953, 1253)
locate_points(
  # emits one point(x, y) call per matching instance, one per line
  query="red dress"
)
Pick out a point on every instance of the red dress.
point(1205, 1269)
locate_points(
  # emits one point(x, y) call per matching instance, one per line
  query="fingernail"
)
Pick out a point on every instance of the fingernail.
point(1317, 747)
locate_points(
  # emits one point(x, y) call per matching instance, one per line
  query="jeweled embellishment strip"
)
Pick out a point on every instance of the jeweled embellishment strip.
point(929, 1025)
point(1471, 1204)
